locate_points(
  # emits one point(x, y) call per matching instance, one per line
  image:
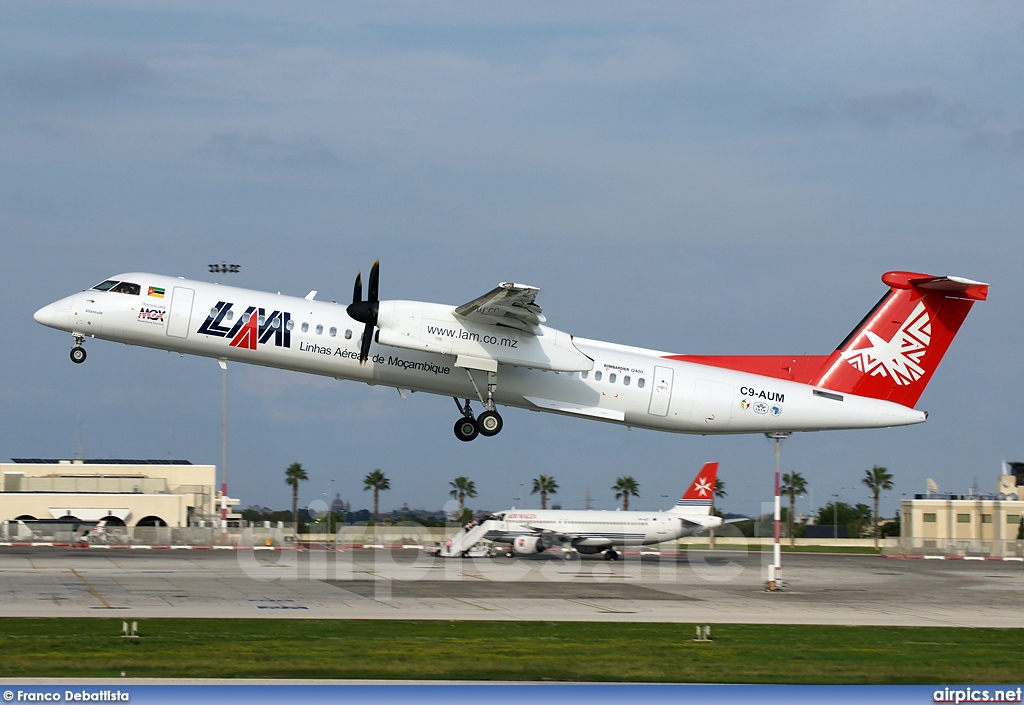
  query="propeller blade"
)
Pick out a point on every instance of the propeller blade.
point(364, 346)
point(365, 311)
point(371, 293)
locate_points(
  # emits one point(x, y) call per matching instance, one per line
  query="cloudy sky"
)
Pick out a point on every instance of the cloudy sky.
point(728, 177)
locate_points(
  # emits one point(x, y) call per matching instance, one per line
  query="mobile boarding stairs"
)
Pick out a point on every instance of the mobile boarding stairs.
point(467, 543)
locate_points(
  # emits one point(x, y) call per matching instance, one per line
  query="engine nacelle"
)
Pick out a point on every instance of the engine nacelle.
point(528, 545)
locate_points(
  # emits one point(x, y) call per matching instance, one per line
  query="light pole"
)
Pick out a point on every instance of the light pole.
point(328, 516)
point(223, 269)
point(775, 570)
point(835, 516)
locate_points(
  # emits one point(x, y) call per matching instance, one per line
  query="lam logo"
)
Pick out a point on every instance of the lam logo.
point(899, 358)
point(253, 327)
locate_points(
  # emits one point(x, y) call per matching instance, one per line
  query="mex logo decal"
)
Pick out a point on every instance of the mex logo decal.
point(254, 327)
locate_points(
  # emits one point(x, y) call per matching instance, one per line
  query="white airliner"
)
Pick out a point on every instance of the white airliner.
point(530, 531)
point(497, 350)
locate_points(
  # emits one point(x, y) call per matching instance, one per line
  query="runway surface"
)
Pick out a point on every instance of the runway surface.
point(698, 588)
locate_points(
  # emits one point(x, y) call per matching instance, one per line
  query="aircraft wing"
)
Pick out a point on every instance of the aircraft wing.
point(550, 537)
point(508, 304)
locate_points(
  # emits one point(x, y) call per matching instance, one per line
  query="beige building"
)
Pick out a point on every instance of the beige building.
point(962, 524)
point(131, 493)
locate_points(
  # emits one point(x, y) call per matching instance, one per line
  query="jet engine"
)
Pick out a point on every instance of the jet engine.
point(528, 545)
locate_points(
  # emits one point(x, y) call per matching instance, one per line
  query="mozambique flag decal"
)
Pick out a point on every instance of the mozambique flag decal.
point(156, 292)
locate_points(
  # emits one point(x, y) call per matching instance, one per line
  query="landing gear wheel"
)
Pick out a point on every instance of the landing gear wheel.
point(490, 423)
point(78, 354)
point(611, 556)
point(571, 555)
point(466, 429)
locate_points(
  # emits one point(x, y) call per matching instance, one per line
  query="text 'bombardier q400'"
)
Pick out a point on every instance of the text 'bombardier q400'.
point(497, 349)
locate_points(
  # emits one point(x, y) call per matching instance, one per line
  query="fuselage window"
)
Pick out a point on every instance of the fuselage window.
point(275, 323)
point(348, 335)
point(319, 330)
point(334, 331)
point(127, 288)
point(261, 321)
point(214, 311)
point(290, 325)
point(246, 317)
point(611, 378)
point(104, 286)
point(640, 383)
point(305, 327)
point(231, 314)
point(597, 375)
point(625, 380)
point(584, 374)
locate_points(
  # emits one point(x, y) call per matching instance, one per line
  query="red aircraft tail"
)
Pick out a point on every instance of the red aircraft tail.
point(894, 351)
point(700, 493)
point(891, 354)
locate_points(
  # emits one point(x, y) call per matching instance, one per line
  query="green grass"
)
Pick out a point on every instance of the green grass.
point(565, 651)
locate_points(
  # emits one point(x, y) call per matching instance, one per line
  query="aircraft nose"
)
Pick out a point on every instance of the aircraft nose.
point(54, 315)
point(44, 315)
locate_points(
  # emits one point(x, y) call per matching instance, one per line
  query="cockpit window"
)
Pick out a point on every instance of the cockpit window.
point(104, 286)
point(127, 288)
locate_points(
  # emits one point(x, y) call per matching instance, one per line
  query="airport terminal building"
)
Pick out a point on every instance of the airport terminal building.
point(983, 524)
point(129, 493)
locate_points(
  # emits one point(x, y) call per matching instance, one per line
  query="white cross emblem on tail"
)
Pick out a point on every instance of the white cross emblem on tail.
point(899, 358)
point(702, 486)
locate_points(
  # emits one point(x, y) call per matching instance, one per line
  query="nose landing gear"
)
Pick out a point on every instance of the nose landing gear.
point(78, 352)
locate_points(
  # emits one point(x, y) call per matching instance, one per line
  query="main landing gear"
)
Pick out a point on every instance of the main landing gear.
point(78, 352)
point(488, 423)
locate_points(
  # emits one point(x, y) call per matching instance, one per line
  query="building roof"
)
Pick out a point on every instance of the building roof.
point(96, 461)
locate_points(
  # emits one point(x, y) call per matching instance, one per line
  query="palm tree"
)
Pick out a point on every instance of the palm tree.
point(462, 487)
point(545, 485)
point(720, 493)
point(376, 481)
point(793, 483)
point(624, 487)
point(293, 476)
point(877, 479)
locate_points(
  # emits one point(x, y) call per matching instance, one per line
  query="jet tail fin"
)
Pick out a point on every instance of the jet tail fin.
point(701, 492)
point(894, 351)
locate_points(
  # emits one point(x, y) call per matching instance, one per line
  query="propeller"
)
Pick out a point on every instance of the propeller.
point(365, 311)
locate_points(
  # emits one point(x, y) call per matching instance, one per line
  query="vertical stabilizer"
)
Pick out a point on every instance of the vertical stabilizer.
point(894, 351)
point(698, 497)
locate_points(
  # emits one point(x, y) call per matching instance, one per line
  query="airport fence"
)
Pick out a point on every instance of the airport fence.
point(246, 534)
point(956, 548)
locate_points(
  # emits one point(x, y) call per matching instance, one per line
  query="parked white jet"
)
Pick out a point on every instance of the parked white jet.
point(496, 349)
point(530, 531)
